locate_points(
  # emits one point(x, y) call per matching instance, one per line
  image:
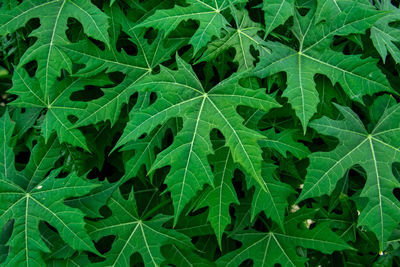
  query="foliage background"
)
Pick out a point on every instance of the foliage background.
point(199, 133)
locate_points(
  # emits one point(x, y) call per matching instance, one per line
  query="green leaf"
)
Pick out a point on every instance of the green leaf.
point(385, 37)
point(184, 257)
point(222, 195)
point(276, 12)
point(58, 104)
point(91, 203)
point(133, 234)
point(206, 12)
point(175, 133)
point(276, 247)
point(284, 142)
point(242, 39)
point(201, 112)
point(30, 196)
point(328, 9)
point(276, 196)
point(53, 16)
point(110, 60)
point(145, 151)
point(329, 94)
point(7, 164)
point(375, 151)
point(357, 76)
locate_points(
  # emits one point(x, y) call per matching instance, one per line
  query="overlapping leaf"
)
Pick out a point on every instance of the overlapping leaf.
point(136, 67)
point(53, 16)
point(180, 92)
point(207, 13)
point(276, 12)
point(222, 195)
point(134, 234)
point(30, 196)
point(205, 169)
point(357, 76)
point(375, 151)
point(276, 247)
point(58, 104)
point(243, 38)
point(384, 36)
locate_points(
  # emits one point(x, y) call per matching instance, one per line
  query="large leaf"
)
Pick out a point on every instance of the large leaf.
point(134, 234)
point(243, 38)
point(136, 67)
point(201, 112)
point(328, 9)
point(375, 151)
point(357, 76)
point(175, 133)
point(58, 104)
point(53, 16)
point(30, 196)
point(276, 12)
point(276, 247)
point(206, 12)
point(284, 142)
point(222, 195)
point(384, 36)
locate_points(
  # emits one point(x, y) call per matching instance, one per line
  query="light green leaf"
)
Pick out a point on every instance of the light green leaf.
point(329, 9)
